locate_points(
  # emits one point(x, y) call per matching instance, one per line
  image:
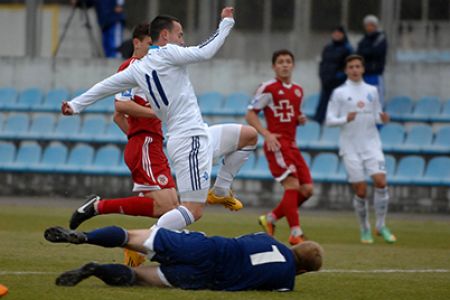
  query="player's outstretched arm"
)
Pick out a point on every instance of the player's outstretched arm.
point(206, 50)
point(133, 109)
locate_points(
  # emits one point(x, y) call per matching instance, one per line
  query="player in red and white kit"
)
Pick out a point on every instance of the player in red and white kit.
point(280, 100)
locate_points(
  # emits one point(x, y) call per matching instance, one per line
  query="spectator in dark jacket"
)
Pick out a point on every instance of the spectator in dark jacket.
point(373, 47)
point(331, 69)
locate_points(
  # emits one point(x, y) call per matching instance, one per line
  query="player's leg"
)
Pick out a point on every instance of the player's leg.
point(289, 202)
point(356, 177)
point(235, 143)
point(304, 177)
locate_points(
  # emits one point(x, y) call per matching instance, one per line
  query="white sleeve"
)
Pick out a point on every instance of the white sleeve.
point(377, 107)
point(187, 55)
point(333, 112)
point(109, 86)
point(261, 99)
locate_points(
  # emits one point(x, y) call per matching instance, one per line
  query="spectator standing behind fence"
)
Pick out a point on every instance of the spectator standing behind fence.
point(111, 19)
point(331, 68)
point(373, 48)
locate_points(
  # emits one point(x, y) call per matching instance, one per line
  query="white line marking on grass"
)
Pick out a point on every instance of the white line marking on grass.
point(386, 271)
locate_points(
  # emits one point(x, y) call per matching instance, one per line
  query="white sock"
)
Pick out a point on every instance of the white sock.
point(362, 212)
point(271, 218)
point(230, 166)
point(177, 218)
point(296, 231)
point(380, 203)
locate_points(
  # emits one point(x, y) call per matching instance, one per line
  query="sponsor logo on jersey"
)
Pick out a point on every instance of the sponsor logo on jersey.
point(280, 92)
point(126, 93)
point(360, 104)
point(284, 111)
point(298, 93)
point(162, 179)
point(205, 176)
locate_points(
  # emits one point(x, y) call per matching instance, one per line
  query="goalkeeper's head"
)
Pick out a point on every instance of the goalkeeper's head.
point(308, 256)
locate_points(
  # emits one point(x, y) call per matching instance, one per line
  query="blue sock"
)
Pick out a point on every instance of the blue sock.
point(111, 236)
point(115, 274)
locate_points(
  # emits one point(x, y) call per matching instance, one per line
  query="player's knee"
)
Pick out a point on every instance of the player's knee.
point(380, 182)
point(249, 136)
point(361, 193)
point(307, 190)
point(291, 183)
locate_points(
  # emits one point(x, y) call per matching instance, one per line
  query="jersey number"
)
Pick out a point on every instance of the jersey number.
point(267, 257)
point(159, 87)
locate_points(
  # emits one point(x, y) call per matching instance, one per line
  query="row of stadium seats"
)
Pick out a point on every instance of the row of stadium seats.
point(402, 108)
point(98, 128)
point(108, 160)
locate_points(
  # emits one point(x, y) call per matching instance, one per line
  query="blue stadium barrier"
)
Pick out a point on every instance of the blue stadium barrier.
point(28, 100)
point(235, 104)
point(80, 157)
point(53, 100)
point(106, 158)
point(42, 126)
point(409, 169)
point(437, 172)
point(8, 97)
point(307, 134)
point(28, 155)
point(15, 125)
point(66, 127)
point(392, 135)
point(418, 139)
point(55, 155)
point(329, 139)
point(309, 105)
point(210, 103)
point(93, 125)
point(7, 154)
point(399, 107)
point(426, 109)
point(441, 142)
point(324, 165)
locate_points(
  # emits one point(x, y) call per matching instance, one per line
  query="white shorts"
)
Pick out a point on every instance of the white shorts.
point(358, 165)
point(192, 161)
point(224, 139)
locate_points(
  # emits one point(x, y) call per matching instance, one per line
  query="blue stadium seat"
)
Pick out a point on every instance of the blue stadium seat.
point(7, 154)
point(307, 134)
point(210, 103)
point(112, 134)
point(78, 92)
point(392, 135)
point(15, 125)
point(307, 158)
point(28, 155)
point(441, 143)
point(8, 97)
point(121, 169)
point(42, 127)
point(53, 100)
point(80, 157)
point(29, 99)
point(418, 139)
point(247, 168)
point(2, 119)
point(235, 104)
point(106, 158)
point(391, 163)
point(426, 109)
point(93, 126)
point(409, 169)
point(399, 108)
point(445, 113)
point(323, 165)
point(261, 169)
point(340, 176)
point(103, 106)
point(309, 105)
point(66, 127)
point(329, 139)
point(55, 155)
point(437, 172)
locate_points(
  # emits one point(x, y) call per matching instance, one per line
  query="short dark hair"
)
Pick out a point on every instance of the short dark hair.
point(353, 57)
point(160, 23)
point(140, 31)
point(282, 52)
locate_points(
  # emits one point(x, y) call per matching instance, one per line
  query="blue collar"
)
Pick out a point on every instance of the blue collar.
point(153, 47)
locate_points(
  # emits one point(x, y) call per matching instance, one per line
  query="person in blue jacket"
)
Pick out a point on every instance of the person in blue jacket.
point(373, 48)
point(191, 260)
point(331, 69)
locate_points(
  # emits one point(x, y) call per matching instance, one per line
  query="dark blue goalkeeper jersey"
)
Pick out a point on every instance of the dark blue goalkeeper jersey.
point(190, 260)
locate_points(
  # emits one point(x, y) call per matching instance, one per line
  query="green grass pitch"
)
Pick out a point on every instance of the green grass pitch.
point(349, 272)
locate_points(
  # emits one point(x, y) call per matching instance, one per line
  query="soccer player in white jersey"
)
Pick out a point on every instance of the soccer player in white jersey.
point(355, 107)
point(191, 146)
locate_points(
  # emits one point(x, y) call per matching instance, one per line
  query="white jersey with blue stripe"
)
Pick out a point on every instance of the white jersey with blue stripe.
point(163, 75)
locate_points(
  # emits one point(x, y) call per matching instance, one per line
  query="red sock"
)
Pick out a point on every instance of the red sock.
point(132, 206)
point(290, 208)
point(301, 199)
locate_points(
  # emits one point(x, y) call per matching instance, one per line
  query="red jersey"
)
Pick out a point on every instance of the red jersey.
point(138, 125)
point(281, 105)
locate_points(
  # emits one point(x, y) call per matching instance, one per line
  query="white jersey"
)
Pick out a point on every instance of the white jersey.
point(359, 136)
point(163, 75)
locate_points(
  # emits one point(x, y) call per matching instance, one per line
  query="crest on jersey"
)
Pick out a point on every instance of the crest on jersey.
point(360, 104)
point(369, 97)
point(280, 92)
point(205, 176)
point(284, 111)
point(162, 179)
point(126, 93)
point(298, 93)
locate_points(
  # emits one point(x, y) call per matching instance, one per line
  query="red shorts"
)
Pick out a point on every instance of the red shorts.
point(148, 164)
point(288, 161)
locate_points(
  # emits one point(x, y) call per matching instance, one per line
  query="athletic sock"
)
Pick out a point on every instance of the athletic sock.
point(177, 218)
point(296, 231)
point(278, 212)
point(132, 206)
point(380, 203)
point(115, 274)
point(231, 164)
point(301, 199)
point(111, 236)
point(290, 208)
point(271, 218)
point(362, 212)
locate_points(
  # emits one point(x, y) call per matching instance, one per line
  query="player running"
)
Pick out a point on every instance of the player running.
point(190, 260)
point(162, 74)
point(355, 107)
point(280, 99)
